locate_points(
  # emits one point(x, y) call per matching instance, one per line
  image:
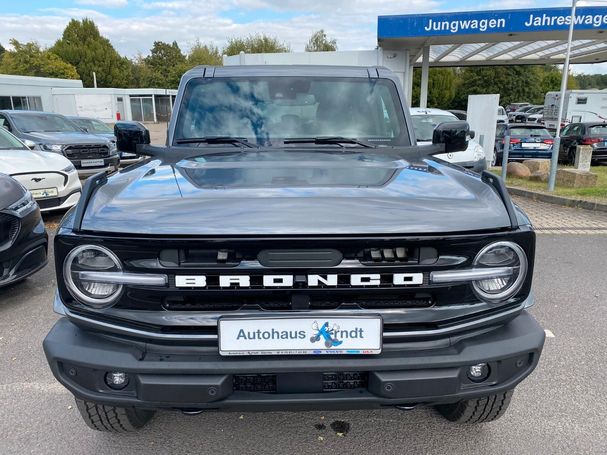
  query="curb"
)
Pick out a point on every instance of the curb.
point(558, 200)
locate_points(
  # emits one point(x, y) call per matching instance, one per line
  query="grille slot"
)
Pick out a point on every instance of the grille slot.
point(79, 152)
point(9, 229)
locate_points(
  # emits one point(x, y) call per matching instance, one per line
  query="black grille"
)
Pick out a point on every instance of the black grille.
point(9, 228)
point(80, 152)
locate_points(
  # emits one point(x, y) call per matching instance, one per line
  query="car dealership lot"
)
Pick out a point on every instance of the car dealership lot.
point(560, 408)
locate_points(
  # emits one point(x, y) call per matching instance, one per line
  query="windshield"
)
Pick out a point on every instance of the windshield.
point(529, 132)
point(9, 142)
point(424, 124)
point(92, 125)
point(268, 110)
point(46, 123)
point(598, 130)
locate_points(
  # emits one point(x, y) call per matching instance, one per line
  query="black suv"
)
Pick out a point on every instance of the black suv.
point(292, 248)
point(55, 133)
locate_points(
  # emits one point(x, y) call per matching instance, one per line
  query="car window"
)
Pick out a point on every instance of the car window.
point(501, 111)
point(598, 130)
point(424, 125)
point(565, 131)
point(500, 131)
point(4, 123)
point(271, 109)
point(576, 130)
point(526, 131)
point(43, 123)
point(8, 141)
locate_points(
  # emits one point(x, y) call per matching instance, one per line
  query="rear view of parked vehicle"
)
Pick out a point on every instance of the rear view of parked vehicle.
point(89, 153)
point(592, 134)
point(23, 240)
point(522, 114)
point(529, 141)
point(51, 178)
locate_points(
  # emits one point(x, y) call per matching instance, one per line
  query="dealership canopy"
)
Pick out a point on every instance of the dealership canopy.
point(507, 37)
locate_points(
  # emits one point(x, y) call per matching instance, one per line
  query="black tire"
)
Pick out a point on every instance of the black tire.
point(112, 419)
point(571, 155)
point(477, 410)
point(497, 159)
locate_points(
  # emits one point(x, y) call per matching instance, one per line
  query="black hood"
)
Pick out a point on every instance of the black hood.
point(10, 191)
point(70, 138)
point(295, 192)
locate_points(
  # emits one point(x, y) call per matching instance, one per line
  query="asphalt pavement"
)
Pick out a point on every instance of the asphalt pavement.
point(560, 408)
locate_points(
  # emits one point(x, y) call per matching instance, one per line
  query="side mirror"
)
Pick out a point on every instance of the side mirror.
point(29, 144)
point(129, 135)
point(472, 134)
point(453, 134)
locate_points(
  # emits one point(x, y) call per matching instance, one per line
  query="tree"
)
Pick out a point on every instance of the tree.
point(255, 44)
point(441, 87)
point(28, 59)
point(319, 42)
point(591, 81)
point(2, 50)
point(204, 54)
point(83, 46)
point(166, 64)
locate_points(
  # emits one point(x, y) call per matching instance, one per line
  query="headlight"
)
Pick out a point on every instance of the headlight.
point(91, 258)
point(57, 148)
point(507, 255)
point(23, 204)
point(69, 169)
point(479, 153)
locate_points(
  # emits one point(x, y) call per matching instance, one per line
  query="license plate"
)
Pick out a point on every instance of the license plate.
point(91, 163)
point(534, 145)
point(300, 336)
point(44, 193)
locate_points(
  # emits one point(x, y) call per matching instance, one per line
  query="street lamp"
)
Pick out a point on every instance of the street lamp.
point(557, 138)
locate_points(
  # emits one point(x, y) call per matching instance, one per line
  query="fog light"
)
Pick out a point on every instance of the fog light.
point(478, 372)
point(116, 379)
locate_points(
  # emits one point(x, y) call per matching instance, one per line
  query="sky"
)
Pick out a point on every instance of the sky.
point(133, 25)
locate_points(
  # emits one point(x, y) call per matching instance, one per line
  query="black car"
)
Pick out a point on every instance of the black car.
point(527, 141)
point(293, 248)
point(23, 240)
point(593, 134)
point(89, 153)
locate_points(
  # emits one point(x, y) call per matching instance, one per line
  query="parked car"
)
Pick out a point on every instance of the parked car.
point(94, 126)
point(537, 116)
point(23, 240)
point(515, 106)
point(129, 134)
point(593, 134)
point(502, 116)
point(425, 121)
point(51, 178)
point(520, 116)
point(55, 133)
point(527, 141)
point(293, 247)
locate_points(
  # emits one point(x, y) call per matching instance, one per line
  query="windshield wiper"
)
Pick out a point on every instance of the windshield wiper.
point(327, 140)
point(216, 140)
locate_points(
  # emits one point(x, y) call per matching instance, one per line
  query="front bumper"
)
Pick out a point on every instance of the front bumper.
point(196, 377)
point(110, 164)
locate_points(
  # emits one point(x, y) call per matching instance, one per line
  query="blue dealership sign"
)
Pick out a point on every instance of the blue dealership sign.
point(486, 22)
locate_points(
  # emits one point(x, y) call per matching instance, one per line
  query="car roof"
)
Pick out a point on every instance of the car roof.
point(17, 111)
point(603, 123)
point(429, 111)
point(287, 70)
point(526, 125)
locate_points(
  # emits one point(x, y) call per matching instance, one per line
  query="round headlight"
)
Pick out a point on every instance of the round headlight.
point(91, 258)
point(504, 255)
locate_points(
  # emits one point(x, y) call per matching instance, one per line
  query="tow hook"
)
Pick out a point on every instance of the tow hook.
point(404, 407)
point(192, 412)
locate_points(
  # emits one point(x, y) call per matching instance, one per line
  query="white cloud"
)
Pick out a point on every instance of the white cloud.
point(104, 3)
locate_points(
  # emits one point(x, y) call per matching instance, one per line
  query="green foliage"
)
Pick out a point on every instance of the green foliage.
point(166, 64)
point(441, 87)
point(320, 42)
point(255, 44)
point(2, 50)
point(204, 54)
point(591, 81)
point(83, 46)
point(28, 59)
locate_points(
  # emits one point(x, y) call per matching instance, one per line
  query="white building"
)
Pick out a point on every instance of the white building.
point(69, 97)
point(31, 93)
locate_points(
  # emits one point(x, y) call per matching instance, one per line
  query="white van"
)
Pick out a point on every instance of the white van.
point(580, 106)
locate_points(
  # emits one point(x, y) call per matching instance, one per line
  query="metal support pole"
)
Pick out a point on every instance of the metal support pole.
point(423, 93)
point(505, 154)
point(557, 136)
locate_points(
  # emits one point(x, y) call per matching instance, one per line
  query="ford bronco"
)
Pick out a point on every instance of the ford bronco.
point(293, 248)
